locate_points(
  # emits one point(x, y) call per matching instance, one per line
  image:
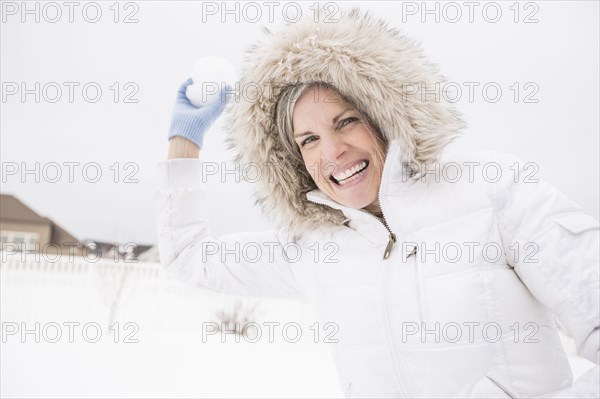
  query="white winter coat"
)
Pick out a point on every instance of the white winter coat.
point(471, 313)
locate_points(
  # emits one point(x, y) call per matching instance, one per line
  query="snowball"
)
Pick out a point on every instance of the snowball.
point(210, 75)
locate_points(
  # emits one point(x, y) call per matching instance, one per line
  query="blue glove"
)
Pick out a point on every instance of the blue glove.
point(192, 122)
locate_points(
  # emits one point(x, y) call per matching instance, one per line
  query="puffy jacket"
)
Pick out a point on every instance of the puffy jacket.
point(465, 303)
point(456, 293)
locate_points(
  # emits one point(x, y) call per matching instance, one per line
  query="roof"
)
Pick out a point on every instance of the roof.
point(13, 209)
point(60, 235)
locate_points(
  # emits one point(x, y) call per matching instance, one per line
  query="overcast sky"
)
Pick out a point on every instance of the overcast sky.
point(549, 66)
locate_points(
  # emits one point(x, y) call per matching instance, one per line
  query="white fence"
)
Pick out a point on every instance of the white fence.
point(103, 292)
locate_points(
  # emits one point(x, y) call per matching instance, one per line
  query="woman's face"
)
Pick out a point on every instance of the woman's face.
point(338, 149)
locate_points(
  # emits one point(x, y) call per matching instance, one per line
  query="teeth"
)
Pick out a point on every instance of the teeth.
point(349, 172)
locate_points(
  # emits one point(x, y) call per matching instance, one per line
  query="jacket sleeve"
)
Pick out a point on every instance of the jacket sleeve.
point(253, 263)
point(554, 248)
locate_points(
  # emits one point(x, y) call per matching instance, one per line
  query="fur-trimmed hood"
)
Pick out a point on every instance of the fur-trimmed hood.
point(367, 61)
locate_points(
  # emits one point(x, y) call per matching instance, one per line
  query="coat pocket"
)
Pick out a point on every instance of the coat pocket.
point(576, 222)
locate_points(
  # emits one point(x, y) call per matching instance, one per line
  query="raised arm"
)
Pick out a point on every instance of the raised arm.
point(180, 147)
point(252, 263)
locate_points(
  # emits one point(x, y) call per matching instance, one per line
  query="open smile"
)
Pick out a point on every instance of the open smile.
point(351, 174)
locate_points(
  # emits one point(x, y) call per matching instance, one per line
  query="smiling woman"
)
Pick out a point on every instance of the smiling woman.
point(439, 286)
point(335, 141)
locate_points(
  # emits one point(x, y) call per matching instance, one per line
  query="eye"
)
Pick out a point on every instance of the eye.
point(347, 121)
point(307, 141)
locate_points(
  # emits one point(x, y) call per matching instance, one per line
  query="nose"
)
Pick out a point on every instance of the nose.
point(332, 148)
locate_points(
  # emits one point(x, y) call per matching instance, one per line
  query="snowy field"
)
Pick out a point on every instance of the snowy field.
point(156, 347)
point(161, 352)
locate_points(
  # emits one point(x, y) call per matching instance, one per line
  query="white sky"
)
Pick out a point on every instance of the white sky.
point(559, 54)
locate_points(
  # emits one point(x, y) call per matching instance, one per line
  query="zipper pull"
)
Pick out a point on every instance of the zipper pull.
point(414, 252)
point(389, 246)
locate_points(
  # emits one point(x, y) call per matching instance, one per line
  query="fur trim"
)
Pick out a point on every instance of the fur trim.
point(365, 60)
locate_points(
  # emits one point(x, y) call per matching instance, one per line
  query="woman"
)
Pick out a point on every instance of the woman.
point(440, 287)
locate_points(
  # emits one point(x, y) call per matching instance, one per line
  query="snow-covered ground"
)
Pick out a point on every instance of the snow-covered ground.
point(167, 365)
point(156, 346)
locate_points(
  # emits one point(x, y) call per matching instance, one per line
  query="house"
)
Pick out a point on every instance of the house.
point(23, 230)
point(20, 225)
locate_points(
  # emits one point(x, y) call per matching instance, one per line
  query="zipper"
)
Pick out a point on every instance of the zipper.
point(414, 252)
point(386, 254)
point(396, 358)
point(402, 386)
point(392, 236)
point(496, 383)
